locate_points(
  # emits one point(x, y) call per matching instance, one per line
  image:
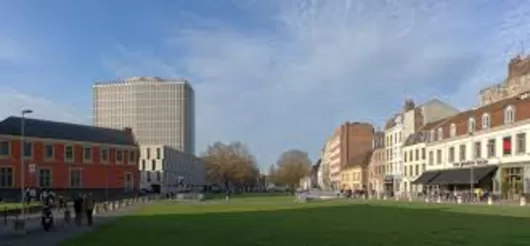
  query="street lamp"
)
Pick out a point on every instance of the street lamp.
point(24, 112)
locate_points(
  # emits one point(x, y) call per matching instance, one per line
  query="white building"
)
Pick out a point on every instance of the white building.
point(159, 111)
point(483, 148)
point(414, 161)
point(166, 169)
point(397, 130)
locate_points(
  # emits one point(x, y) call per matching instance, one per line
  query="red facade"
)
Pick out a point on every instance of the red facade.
point(74, 173)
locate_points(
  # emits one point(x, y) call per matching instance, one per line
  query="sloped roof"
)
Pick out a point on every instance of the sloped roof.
point(65, 131)
point(415, 138)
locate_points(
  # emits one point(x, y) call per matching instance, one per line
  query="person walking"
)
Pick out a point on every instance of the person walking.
point(78, 209)
point(89, 208)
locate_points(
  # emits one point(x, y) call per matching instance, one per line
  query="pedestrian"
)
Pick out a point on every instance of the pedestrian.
point(89, 208)
point(78, 209)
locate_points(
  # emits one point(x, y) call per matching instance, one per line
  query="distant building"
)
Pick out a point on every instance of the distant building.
point(159, 111)
point(354, 175)
point(164, 169)
point(376, 167)
point(517, 81)
point(67, 158)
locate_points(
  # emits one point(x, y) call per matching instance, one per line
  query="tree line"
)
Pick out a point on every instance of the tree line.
point(233, 167)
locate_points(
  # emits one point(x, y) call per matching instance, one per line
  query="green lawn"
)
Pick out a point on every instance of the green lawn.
point(280, 221)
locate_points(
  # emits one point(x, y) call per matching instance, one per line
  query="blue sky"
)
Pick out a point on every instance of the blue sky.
point(274, 74)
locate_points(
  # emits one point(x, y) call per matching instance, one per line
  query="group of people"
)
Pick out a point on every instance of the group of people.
point(84, 208)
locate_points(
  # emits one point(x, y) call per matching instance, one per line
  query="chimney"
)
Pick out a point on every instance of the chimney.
point(409, 105)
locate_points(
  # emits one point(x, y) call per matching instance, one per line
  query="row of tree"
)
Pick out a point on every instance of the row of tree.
point(232, 166)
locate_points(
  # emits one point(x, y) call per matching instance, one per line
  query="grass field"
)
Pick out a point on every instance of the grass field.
point(281, 221)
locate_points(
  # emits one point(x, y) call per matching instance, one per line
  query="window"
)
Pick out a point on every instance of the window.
point(451, 156)
point(148, 153)
point(423, 153)
point(471, 125)
point(478, 150)
point(132, 156)
point(68, 153)
point(423, 167)
point(87, 153)
point(158, 153)
point(119, 156)
point(452, 130)
point(5, 148)
point(28, 149)
point(491, 148)
point(431, 158)
point(6, 177)
point(431, 136)
point(417, 155)
point(509, 115)
point(148, 174)
point(143, 164)
point(417, 170)
point(405, 156)
point(158, 176)
point(104, 155)
point(45, 178)
point(485, 121)
point(75, 178)
point(521, 143)
point(49, 151)
point(438, 156)
point(462, 153)
point(440, 134)
point(153, 165)
point(507, 146)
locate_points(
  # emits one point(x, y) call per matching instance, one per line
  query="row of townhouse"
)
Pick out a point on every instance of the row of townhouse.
point(481, 148)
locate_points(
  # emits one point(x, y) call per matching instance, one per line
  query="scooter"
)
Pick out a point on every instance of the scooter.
point(47, 218)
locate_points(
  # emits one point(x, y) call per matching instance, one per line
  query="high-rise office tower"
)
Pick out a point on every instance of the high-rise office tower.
point(160, 111)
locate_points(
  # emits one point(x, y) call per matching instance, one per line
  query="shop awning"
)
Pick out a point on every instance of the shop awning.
point(426, 177)
point(463, 175)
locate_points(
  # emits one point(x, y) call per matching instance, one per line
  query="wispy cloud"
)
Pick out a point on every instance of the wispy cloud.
point(320, 63)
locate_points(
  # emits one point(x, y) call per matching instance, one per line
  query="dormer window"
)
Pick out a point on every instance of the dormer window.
point(509, 115)
point(452, 130)
point(440, 134)
point(431, 136)
point(471, 125)
point(485, 121)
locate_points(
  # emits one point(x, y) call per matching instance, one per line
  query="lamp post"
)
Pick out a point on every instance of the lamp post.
point(24, 112)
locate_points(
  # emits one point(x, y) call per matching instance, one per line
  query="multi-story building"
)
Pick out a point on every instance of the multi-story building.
point(160, 111)
point(485, 147)
point(376, 165)
point(397, 130)
point(414, 161)
point(518, 81)
point(164, 169)
point(325, 166)
point(67, 158)
point(354, 175)
point(349, 140)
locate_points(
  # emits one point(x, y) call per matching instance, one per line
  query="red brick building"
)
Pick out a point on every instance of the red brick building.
point(67, 158)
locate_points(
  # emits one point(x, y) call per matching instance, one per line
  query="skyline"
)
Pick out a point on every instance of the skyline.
point(274, 75)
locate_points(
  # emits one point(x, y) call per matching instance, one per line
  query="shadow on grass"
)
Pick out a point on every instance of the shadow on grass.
point(301, 224)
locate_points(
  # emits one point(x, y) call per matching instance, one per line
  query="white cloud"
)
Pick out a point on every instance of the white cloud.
point(325, 62)
point(13, 102)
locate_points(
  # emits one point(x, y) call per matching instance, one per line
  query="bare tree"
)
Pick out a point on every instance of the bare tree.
point(293, 165)
point(231, 165)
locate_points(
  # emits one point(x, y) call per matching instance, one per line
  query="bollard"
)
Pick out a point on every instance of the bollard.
point(522, 201)
point(490, 200)
point(384, 197)
point(410, 198)
point(439, 200)
point(427, 199)
point(397, 198)
point(459, 199)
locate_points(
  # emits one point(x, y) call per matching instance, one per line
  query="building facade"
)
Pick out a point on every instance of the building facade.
point(164, 169)
point(485, 148)
point(354, 175)
point(160, 111)
point(67, 158)
point(397, 130)
point(348, 141)
point(414, 162)
point(376, 172)
point(518, 81)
